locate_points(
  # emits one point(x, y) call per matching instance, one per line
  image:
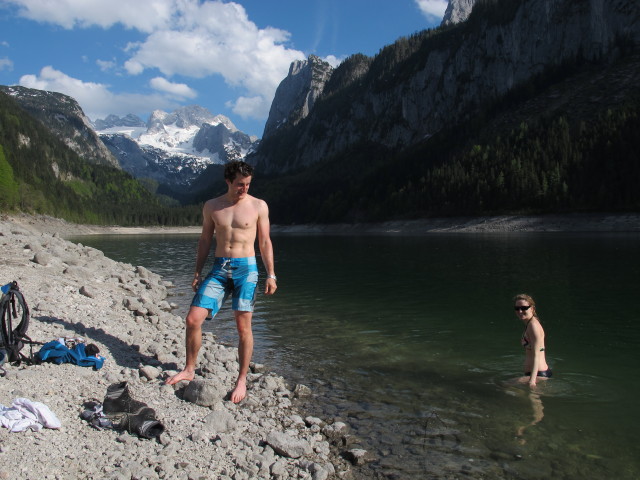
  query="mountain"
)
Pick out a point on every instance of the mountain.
point(457, 11)
point(524, 107)
point(173, 148)
point(62, 115)
point(40, 173)
point(297, 93)
point(436, 79)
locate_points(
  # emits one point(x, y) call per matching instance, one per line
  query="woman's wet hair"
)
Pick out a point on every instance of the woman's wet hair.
point(527, 298)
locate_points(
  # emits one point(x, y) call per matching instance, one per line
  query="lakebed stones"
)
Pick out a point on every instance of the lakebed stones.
point(359, 456)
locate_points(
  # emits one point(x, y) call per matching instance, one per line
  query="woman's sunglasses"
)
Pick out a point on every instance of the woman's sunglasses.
point(522, 309)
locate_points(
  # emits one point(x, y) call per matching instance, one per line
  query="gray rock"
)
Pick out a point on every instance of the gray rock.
point(78, 272)
point(205, 393)
point(318, 471)
point(358, 456)
point(219, 422)
point(301, 391)
point(134, 305)
point(287, 445)
point(88, 291)
point(149, 372)
point(42, 258)
point(335, 430)
point(143, 272)
point(258, 367)
point(313, 421)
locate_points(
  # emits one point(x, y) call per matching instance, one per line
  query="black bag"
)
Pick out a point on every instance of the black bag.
point(14, 310)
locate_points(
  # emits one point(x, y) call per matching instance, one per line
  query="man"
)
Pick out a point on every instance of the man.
point(235, 218)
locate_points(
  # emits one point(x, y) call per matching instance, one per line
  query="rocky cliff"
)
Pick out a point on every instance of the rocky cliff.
point(457, 11)
point(218, 139)
point(436, 79)
point(297, 93)
point(63, 116)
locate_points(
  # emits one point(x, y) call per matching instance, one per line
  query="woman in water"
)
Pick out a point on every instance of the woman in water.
point(535, 363)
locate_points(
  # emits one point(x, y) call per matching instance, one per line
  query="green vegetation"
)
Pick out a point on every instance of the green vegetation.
point(547, 165)
point(39, 174)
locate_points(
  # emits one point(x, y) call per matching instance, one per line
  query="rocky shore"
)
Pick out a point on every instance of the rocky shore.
point(573, 222)
point(75, 291)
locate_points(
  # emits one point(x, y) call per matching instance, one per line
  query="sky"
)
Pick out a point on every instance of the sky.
point(137, 56)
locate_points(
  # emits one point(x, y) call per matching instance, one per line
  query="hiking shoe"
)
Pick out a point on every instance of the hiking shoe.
point(118, 400)
point(142, 423)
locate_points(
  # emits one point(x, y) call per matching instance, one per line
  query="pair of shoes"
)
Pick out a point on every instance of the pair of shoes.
point(134, 416)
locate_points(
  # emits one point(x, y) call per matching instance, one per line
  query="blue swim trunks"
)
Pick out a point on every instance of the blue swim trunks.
point(229, 276)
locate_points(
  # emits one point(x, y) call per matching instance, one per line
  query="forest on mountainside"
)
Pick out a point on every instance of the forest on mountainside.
point(564, 142)
point(40, 174)
point(539, 167)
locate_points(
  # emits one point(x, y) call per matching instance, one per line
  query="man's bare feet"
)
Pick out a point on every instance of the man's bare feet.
point(178, 377)
point(239, 392)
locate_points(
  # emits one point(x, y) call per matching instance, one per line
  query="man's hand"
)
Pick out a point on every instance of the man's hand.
point(196, 281)
point(270, 287)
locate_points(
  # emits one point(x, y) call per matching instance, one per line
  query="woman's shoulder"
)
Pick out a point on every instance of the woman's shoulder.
point(535, 325)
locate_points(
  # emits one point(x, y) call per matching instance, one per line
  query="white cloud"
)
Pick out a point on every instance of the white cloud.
point(432, 8)
point(146, 15)
point(333, 60)
point(176, 89)
point(193, 38)
point(6, 64)
point(95, 98)
point(106, 65)
point(215, 38)
point(247, 106)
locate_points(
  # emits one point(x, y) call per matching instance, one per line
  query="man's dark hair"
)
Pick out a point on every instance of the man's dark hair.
point(237, 167)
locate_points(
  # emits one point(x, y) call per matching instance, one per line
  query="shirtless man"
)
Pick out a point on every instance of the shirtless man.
point(235, 218)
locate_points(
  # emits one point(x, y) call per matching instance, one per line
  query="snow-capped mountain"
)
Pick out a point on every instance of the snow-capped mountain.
point(173, 148)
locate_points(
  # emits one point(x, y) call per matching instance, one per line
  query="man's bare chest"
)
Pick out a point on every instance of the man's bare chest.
point(235, 217)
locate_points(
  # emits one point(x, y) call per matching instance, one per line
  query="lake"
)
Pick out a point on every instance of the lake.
point(412, 341)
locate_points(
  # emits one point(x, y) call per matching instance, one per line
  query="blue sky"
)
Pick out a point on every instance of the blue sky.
point(136, 56)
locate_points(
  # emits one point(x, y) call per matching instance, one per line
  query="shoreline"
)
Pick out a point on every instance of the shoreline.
point(574, 222)
point(75, 291)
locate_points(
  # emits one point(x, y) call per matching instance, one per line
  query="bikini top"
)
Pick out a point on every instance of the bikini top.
point(524, 341)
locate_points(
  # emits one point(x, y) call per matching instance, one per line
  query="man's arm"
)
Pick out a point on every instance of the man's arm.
point(204, 244)
point(266, 247)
